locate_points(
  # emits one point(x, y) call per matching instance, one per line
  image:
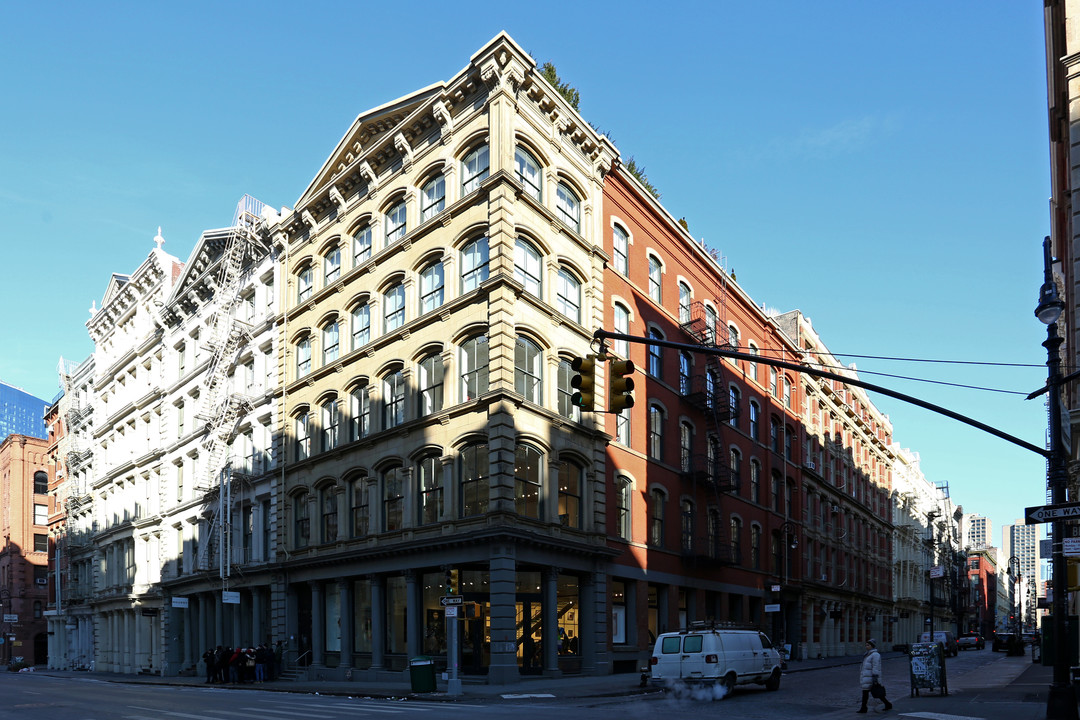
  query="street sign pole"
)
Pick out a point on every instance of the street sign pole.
point(450, 604)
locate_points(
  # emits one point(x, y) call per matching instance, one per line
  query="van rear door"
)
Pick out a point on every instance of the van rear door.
point(692, 659)
point(668, 658)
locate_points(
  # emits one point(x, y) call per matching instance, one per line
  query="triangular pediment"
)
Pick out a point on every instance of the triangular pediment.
point(370, 129)
point(206, 252)
point(116, 284)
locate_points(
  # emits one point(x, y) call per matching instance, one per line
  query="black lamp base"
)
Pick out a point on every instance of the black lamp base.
point(1061, 703)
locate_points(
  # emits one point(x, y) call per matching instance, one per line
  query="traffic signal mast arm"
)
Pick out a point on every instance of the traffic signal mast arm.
point(603, 335)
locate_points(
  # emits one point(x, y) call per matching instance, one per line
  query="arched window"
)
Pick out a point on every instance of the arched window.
point(775, 499)
point(621, 250)
point(528, 267)
point(360, 512)
point(474, 367)
point(735, 467)
point(393, 494)
point(37, 610)
point(303, 356)
point(431, 384)
point(432, 198)
point(393, 400)
point(328, 500)
point(623, 503)
point(656, 432)
point(303, 437)
point(568, 295)
point(774, 434)
point(655, 355)
point(755, 420)
point(301, 522)
point(570, 491)
point(474, 169)
point(395, 224)
point(711, 321)
point(474, 483)
point(431, 287)
point(429, 487)
point(622, 326)
point(331, 418)
point(685, 445)
point(787, 392)
point(684, 373)
point(752, 366)
point(566, 391)
point(686, 525)
point(755, 481)
point(528, 492)
point(684, 303)
point(41, 483)
point(733, 337)
point(359, 413)
point(789, 442)
point(712, 385)
point(657, 500)
point(393, 308)
point(528, 172)
point(304, 284)
point(332, 266)
point(772, 381)
point(655, 278)
point(622, 427)
point(361, 326)
point(330, 342)
point(735, 402)
point(736, 538)
point(474, 264)
point(755, 547)
point(713, 530)
point(528, 363)
point(362, 245)
point(568, 207)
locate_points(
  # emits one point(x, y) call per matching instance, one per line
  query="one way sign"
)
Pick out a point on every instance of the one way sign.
point(1049, 513)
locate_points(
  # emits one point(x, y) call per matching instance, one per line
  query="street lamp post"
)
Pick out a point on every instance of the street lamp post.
point(1014, 577)
point(1061, 701)
point(790, 538)
point(930, 549)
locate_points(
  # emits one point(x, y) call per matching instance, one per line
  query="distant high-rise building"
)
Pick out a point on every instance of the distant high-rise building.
point(21, 413)
point(1021, 541)
point(978, 532)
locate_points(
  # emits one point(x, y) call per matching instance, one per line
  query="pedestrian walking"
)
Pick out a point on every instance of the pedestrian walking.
point(209, 657)
point(870, 677)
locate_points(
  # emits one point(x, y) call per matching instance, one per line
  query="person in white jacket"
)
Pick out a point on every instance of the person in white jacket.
point(870, 674)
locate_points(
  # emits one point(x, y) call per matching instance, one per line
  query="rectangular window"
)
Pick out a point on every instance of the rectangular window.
point(41, 514)
point(41, 542)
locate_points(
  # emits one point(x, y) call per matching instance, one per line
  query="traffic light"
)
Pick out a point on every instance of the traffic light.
point(452, 581)
point(620, 387)
point(584, 382)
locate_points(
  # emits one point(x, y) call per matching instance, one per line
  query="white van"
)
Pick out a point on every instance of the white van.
point(709, 655)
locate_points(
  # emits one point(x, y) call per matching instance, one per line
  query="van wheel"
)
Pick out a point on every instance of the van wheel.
point(728, 683)
point(773, 683)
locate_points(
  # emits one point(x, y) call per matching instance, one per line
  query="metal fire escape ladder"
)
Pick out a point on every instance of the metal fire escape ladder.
point(222, 408)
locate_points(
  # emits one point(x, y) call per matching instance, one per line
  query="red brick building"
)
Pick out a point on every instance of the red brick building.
point(982, 591)
point(703, 475)
point(24, 555)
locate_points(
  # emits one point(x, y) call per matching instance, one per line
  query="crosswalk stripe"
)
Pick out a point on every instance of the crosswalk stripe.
point(174, 714)
point(361, 706)
point(939, 716)
point(288, 713)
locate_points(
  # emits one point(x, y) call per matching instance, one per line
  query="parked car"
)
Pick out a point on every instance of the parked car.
point(947, 640)
point(998, 641)
point(969, 641)
point(715, 656)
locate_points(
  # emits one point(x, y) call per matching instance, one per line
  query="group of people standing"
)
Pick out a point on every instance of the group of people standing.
point(243, 665)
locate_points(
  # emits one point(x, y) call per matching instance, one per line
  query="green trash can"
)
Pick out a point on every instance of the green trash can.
point(422, 674)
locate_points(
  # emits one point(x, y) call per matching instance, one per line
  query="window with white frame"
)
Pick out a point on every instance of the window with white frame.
point(474, 483)
point(622, 427)
point(330, 342)
point(303, 438)
point(362, 245)
point(303, 356)
point(394, 308)
point(686, 436)
point(431, 287)
point(711, 322)
point(359, 413)
point(568, 295)
point(623, 502)
point(656, 432)
point(361, 326)
point(686, 525)
point(331, 418)
point(528, 363)
point(332, 266)
point(360, 512)
point(41, 514)
point(527, 481)
point(568, 207)
point(734, 400)
point(304, 284)
point(656, 274)
point(684, 373)
point(735, 468)
point(474, 169)
point(528, 172)
point(474, 264)
point(528, 267)
point(432, 198)
point(474, 367)
point(787, 392)
point(395, 223)
point(621, 250)
point(621, 318)
point(571, 486)
point(301, 522)
point(329, 504)
point(755, 481)
point(684, 302)
point(393, 494)
point(755, 420)
point(566, 392)
point(752, 366)
point(655, 364)
point(657, 501)
point(431, 384)
point(429, 490)
point(393, 400)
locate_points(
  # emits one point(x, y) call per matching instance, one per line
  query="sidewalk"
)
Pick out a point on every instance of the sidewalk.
point(473, 687)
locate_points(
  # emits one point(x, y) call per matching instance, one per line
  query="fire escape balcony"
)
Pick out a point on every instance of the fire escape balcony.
point(710, 552)
point(709, 473)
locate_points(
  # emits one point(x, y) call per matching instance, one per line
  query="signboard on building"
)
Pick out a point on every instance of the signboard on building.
point(936, 572)
point(772, 607)
point(11, 618)
point(451, 611)
point(179, 602)
point(230, 597)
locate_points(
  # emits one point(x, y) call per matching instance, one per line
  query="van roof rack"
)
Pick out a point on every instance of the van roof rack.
point(718, 625)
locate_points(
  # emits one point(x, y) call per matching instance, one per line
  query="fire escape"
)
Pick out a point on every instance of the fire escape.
point(708, 473)
point(222, 406)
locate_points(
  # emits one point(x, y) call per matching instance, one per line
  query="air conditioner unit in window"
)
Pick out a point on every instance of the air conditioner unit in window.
point(836, 508)
point(42, 581)
point(811, 465)
point(824, 577)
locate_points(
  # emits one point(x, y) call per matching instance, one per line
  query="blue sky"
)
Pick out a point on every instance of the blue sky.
point(881, 166)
